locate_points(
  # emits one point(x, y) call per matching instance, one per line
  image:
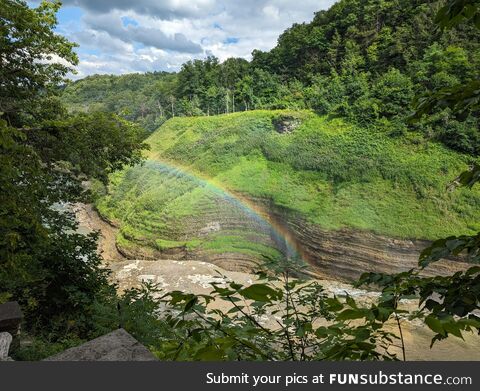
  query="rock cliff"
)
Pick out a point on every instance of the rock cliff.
point(340, 255)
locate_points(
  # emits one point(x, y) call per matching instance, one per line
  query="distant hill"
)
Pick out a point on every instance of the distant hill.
point(133, 96)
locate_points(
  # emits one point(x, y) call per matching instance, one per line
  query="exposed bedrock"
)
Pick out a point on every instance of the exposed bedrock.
point(345, 254)
point(231, 261)
point(341, 255)
point(221, 232)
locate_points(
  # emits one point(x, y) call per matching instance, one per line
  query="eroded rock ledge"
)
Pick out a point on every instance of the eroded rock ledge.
point(339, 255)
point(115, 346)
point(345, 254)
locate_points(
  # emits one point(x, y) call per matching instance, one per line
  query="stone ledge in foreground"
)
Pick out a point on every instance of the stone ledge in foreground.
point(115, 346)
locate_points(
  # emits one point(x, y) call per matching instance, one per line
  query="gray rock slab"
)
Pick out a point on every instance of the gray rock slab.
point(5, 341)
point(115, 346)
point(10, 316)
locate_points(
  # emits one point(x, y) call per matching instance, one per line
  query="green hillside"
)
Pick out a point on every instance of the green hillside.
point(136, 97)
point(333, 173)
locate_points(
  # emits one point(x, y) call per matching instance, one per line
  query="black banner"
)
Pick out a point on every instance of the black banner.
point(119, 376)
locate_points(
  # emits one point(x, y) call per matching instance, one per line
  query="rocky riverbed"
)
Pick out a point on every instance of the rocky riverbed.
point(196, 276)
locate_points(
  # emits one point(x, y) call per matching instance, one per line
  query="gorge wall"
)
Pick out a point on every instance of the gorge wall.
point(235, 188)
point(345, 254)
point(341, 255)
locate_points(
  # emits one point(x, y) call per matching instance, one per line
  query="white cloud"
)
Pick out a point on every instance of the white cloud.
point(161, 35)
point(101, 41)
point(148, 36)
point(163, 9)
point(271, 11)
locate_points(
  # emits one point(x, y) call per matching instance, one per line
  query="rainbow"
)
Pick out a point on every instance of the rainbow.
point(280, 233)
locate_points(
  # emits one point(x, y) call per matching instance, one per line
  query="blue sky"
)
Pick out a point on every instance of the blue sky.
point(124, 36)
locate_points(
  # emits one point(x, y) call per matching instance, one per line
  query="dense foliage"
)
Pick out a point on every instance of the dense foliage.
point(45, 154)
point(147, 99)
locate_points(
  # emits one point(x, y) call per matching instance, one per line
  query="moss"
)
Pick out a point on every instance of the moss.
point(162, 244)
point(168, 244)
point(123, 242)
point(238, 244)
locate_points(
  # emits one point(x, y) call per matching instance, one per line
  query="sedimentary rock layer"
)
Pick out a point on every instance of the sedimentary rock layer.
point(341, 254)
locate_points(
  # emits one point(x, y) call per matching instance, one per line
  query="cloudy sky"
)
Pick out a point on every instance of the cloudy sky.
point(123, 36)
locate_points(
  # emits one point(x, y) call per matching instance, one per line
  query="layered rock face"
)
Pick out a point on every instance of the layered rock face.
point(221, 231)
point(164, 213)
point(341, 255)
point(345, 254)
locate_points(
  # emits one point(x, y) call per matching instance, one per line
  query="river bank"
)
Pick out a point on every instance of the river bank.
point(89, 220)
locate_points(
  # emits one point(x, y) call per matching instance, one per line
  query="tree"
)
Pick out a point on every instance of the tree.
point(393, 92)
point(33, 60)
point(45, 154)
point(244, 89)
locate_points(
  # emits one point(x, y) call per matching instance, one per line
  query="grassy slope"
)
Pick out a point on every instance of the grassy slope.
point(333, 173)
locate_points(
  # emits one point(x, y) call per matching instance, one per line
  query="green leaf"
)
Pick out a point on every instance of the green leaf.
point(334, 304)
point(322, 332)
point(351, 302)
point(453, 328)
point(383, 314)
point(435, 325)
point(4, 297)
point(350, 314)
point(261, 292)
point(210, 353)
point(191, 303)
